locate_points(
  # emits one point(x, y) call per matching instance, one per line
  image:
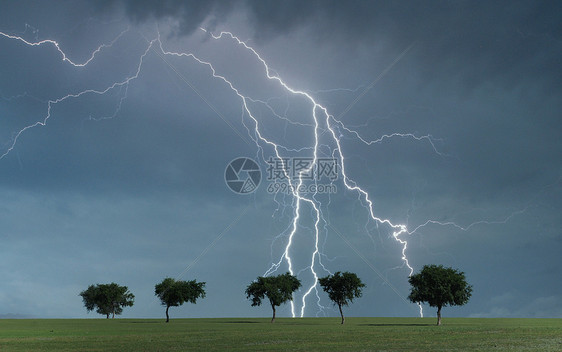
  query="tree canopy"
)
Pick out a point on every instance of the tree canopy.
point(439, 286)
point(174, 293)
point(342, 288)
point(278, 290)
point(107, 299)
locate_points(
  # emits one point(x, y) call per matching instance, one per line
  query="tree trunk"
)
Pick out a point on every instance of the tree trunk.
point(273, 319)
point(167, 316)
point(341, 313)
point(107, 316)
point(113, 316)
point(438, 315)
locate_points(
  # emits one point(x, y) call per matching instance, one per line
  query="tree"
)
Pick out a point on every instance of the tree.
point(107, 298)
point(174, 293)
point(439, 286)
point(342, 288)
point(278, 289)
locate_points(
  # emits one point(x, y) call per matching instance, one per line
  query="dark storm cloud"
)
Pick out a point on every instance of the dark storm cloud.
point(476, 41)
point(512, 41)
point(190, 14)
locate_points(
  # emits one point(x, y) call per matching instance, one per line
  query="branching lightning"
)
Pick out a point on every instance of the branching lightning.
point(53, 102)
point(323, 124)
point(58, 47)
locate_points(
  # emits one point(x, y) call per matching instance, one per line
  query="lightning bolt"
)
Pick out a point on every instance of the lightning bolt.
point(43, 122)
point(325, 127)
point(58, 47)
point(318, 111)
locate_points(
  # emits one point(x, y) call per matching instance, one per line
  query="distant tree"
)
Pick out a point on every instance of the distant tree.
point(439, 286)
point(174, 293)
point(278, 290)
point(107, 298)
point(342, 288)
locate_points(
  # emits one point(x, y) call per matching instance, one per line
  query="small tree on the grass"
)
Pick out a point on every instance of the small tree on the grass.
point(439, 286)
point(278, 290)
point(107, 299)
point(342, 288)
point(174, 293)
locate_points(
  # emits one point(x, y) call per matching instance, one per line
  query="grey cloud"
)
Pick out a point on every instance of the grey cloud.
point(190, 14)
point(512, 41)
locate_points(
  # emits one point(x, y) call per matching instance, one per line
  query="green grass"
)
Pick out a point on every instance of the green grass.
point(307, 334)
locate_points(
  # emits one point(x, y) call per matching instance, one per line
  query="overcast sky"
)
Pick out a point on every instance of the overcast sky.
point(125, 181)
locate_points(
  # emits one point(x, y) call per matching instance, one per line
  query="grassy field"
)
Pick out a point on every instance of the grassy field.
point(306, 334)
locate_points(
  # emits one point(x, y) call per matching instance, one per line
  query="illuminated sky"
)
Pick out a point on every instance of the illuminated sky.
point(129, 186)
